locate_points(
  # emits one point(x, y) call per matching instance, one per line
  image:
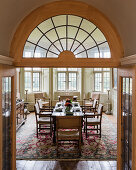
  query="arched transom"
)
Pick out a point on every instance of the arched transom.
point(66, 33)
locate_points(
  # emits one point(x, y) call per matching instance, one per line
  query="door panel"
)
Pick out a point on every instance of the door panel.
point(6, 122)
point(127, 123)
point(7, 117)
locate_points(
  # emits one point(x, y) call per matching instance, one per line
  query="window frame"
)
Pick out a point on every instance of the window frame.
point(102, 71)
point(40, 79)
point(67, 79)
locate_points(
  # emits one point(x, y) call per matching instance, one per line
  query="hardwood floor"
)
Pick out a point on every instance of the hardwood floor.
point(65, 165)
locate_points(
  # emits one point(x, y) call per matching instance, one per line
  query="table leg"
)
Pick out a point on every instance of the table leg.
point(81, 131)
point(54, 131)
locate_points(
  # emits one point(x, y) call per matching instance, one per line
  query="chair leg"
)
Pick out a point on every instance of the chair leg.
point(50, 130)
point(86, 129)
point(97, 128)
point(57, 148)
point(39, 127)
point(100, 130)
point(37, 130)
point(79, 144)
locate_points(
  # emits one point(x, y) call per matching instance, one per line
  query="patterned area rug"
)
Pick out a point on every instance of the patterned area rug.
point(29, 147)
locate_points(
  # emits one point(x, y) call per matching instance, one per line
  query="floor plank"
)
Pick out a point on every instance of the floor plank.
point(65, 165)
point(29, 165)
point(40, 165)
point(105, 165)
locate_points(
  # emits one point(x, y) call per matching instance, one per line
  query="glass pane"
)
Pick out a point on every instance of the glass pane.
point(81, 36)
point(97, 69)
point(79, 49)
point(106, 69)
point(28, 50)
point(51, 55)
point(104, 50)
point(28, 81)
point(44, 42)
point(61, 32)
point(98, 36)
point(6, 94)
point(72, 69)
point(54, 49)
point(89, 42)
point(52, 35)
point(74, 20)
point(72, 32)
point(93, 53)
point(57, 44)
point(88, 26)
point(75, 45)
point(27, 69)
point(72, 81)
point(63, 42)
point(98, 82)
point(70, 42)
point(59, 20)
point(61, 69)
point(61, 81)
point(81, 55)
point(6, 123)
point(127, 95)
point(127, 122)
point(40, 53)
point(36, 81)
point(37, 69)
point(45, 26)
point(106, 81)
point(35, 36)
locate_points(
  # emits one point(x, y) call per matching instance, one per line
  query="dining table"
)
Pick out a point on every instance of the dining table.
point(60, 110)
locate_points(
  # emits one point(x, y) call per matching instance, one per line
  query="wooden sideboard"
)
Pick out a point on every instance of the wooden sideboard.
point(20, 116)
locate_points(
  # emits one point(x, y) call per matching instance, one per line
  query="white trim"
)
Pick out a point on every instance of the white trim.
point(6, 60)
point(130, 60)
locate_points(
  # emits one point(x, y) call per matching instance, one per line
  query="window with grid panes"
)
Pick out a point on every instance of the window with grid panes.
point(32, 78)
point(66, 32)
point(101, 79)
point(67, 79)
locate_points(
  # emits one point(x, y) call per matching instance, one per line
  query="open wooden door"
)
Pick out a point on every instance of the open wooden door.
point(7, 118)
point(126, 118)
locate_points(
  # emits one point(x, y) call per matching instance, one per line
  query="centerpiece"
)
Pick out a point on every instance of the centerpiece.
point(68, 106)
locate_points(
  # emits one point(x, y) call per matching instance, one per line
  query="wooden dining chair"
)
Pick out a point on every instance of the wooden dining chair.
point(90, 101)
point(43, 120)
point(89, 108)
point(94, 122)
point(44, 108)
point(64, 124)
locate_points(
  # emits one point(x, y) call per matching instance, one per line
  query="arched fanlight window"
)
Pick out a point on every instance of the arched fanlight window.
point(66, 32)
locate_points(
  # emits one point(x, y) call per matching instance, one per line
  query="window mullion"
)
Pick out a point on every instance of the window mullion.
point(102, 81)
point(32, 80)
point(67, 81)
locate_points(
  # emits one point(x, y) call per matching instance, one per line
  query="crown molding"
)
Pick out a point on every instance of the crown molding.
point(130, 60)
point(6, 60)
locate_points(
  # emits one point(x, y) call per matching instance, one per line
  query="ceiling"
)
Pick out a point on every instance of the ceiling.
point(121, 13)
